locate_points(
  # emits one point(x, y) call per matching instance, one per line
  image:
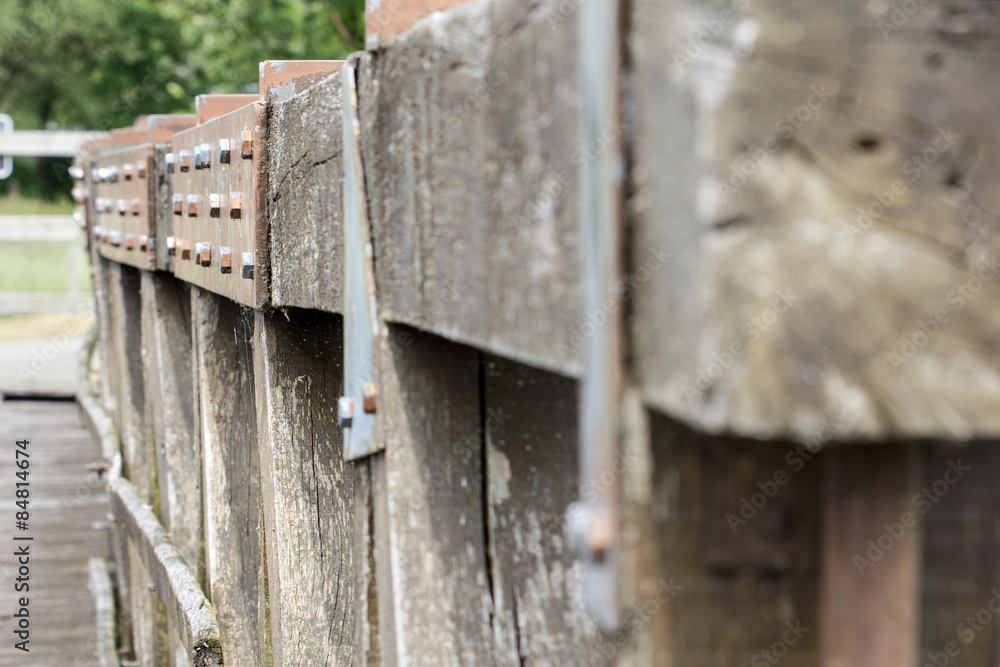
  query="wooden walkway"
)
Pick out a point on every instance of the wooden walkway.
point(68, 514)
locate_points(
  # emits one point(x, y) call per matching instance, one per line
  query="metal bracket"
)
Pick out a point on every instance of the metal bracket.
point(356, 408)
point(594, 521)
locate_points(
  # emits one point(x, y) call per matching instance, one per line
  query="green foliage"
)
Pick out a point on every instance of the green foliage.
point(97, 64)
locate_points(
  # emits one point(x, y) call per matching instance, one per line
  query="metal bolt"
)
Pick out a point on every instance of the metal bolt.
point(214, 205)
point(185, 160)
point(225, 260)
point(248, 265)
point(136, 207)
point(122, 206)
point(142, 170)
point(170, 161)
point(116, 238)
point(235, 205)
point(368, 394)
point(600, 537)
point(186, 249)
point(224, 151)
point(345, 411)
point(171, 245)
point(246, 148)
point(178, 204)
point(205, 256)
point(102, 175)
point(79, 195)
point(76, 173)
point(206, 156)
point(113, 174)
point(128, 170)
point(143, 242)
point(198, 159)
point(192, 206)
point(129, 242)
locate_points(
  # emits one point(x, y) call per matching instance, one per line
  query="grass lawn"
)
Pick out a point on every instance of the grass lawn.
point(15, 204)
point(39, 266)
point(20, 327)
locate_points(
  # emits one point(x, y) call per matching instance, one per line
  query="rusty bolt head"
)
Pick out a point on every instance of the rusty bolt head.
point(79, 195)
point(600, 537)
point(143, 242)
point(113, 174)
point(248, 265)
point(122, 206)
point(178, 204)
point(129, 242)
point(170, 162)
point(205, 255)
point(345, 411)
point(235, 205)
point(214, 205)
point(185, 157)
point(368, 394)
point(186, 246)
point(171, 245)
point(226, 260)
point(136, 207)
point(141, 170)
point(128, 170)
point(192, 204)
point(246, 144)
point(225, 151)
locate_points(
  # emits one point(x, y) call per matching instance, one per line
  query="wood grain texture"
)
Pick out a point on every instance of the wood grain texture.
point(429, 416)
point(530, 429)
point(169, 372)
point(682, 609)
point(230, 468)
point(305, 198)
point(820, 176)
point(469, 132)
point(871, 557)
point(307, 489)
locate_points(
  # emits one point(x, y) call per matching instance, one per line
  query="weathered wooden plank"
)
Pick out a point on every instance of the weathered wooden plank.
point(469, 130)
point(169, 374)
point(429, 415)
point(191, 614)
point(304, 196)
point(223, 333)
point(817, 182)
point(530, 428)
point(872, 537)
point(104, 600)
point(307, 488)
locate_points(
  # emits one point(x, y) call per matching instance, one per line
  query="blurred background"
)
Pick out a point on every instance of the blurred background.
point(97, 65)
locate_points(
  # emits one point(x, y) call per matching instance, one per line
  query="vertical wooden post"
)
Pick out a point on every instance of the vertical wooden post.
point(872, 537)
point(307, 487)
point(230, 469)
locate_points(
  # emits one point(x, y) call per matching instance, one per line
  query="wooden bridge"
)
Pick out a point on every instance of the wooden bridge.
point(561, 333)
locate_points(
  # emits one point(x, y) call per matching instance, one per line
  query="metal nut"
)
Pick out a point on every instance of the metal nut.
point(235, 205)
point(170, 162)
point(205, 256)
point(225, 260)
point(345, 411)
point(136, 207)
point(224, 151)
point(171, 245)
point(214, 205)
point(246, 145)
point(178, 205)
point(128, 170)
point(247, 265)
point(368, 395)
point(122, 207)
point(143, 242)
point(186, 246)
point(141, 170)
point(192, 204)
point(129, 242)
point(185, 157)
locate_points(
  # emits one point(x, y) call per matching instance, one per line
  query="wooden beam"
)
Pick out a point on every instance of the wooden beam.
point(46, 143)
point(870, 568)
point(189, 610)
point(104, 600)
